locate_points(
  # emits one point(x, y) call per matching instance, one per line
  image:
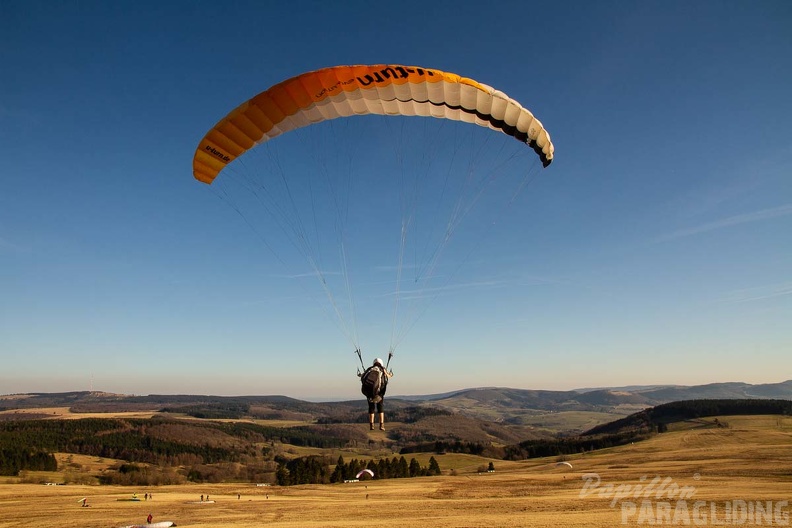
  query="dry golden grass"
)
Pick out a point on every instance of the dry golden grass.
point(64, 413)
point(567, 420)
point(86, 463)
point(751, 460)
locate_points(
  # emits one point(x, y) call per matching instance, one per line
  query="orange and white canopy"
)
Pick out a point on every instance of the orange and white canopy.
point(382, 89)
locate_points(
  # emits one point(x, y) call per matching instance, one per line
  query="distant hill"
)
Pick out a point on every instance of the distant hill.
point(215, 438)
point(613, 397)
point(541, 409)
point(647, 423)
point(518, 405)
point(627, 388)
point(658, 418)
point(781, 390)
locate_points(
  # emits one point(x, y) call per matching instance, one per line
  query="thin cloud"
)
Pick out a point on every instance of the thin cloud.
point(535, 280)
point(395, 268)
point(757, 216)
point(759, 293)
point(307, 274)
point(453, 287)
point(434, 291)
point(701, 201)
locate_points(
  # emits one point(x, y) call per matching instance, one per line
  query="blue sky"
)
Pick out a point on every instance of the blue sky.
point(655, 249)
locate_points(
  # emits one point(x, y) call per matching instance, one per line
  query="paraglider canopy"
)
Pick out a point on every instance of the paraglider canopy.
point(365, 472)
point(343, 91)
point(562, 464)
point(343, 177)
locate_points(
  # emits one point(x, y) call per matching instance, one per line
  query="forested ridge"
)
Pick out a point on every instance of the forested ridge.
point(645, 424)
point(198, 445)
point(152, 441)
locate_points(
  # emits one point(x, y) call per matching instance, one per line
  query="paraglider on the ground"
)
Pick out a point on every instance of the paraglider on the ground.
point(436, 181)
point(365, 472)
point(161, 524)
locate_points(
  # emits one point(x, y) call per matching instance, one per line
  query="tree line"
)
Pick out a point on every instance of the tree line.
point(571, 445)
point(656, 417)
point(644, 424)
point(229, 410)
point(106, 438)
point(316, 469)
point(449, 446)
point(130, 439)
point(16, 459)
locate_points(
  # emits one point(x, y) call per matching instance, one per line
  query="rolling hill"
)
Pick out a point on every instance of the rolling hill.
point(537, 410)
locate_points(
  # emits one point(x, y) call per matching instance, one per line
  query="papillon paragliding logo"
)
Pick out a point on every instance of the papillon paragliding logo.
point(661, 501)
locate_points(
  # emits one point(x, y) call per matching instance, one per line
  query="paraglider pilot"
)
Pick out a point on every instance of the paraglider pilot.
point(374, 384)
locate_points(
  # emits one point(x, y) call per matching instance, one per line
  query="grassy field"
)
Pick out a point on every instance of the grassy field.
point(730, 467)
point(569, 420)
point(64, 413)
